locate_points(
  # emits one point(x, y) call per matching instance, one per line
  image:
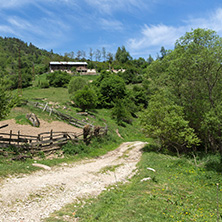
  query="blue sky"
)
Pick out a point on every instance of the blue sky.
point(142, 26)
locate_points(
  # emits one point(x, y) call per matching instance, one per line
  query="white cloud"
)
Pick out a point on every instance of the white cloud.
point(108, 6)
point(212, 21)
point(155, 36)
point(111, 25)
point(152, 37)
point(13, 3)
point(6, 29)
point(19, 23)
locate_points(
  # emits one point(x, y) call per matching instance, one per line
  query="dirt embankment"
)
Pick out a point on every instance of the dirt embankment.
point(56, 126)
point(33, 197)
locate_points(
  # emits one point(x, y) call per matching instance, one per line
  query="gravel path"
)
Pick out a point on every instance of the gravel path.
point(33, 197)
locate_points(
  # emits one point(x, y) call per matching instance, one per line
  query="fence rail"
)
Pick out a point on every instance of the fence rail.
point(71, 120)
point(49, 141)
point(46, 141)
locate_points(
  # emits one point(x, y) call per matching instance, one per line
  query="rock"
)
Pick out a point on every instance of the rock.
point(33, 119)
point(41, 166)
point(145, 179)
point(148, 168)
point(82, 113)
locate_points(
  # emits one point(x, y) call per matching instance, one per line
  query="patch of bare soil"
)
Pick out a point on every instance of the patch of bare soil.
point(56, 126)
point(33, 197)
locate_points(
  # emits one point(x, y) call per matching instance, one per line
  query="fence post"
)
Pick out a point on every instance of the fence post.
point(45, 107)
point(39, 139)
point(18, 137)
point(86, 132)
point(10, 137)
point(51, 138)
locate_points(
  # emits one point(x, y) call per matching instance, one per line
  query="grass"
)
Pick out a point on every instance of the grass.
point(109, 168)
point(59, 95)
point(178, 191)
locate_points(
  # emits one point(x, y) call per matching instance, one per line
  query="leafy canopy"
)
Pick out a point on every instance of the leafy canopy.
point(6, 102)
point(76, 83)
point(58, 79)
point(111, 87)
point(191, 74)
point(85, 98)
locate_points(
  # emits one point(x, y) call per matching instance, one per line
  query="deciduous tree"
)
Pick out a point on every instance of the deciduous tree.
point(192, 74)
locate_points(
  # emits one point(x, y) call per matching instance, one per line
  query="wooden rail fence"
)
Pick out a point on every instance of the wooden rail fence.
point(42, 142)
point(71, 120)
point(49, 141)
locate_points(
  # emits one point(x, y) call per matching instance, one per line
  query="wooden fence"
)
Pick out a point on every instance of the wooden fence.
point(71, 120)
point(47, 141)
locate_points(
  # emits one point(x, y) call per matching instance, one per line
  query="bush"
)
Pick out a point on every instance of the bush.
point(58, 79)
point(85, 98)
point(165, 122)
point(121, 113)
point(111, 87)
point(76, 84)
point(43, 84)
point(73, 149)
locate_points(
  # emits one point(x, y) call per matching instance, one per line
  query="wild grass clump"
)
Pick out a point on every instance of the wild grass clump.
point(75, 148)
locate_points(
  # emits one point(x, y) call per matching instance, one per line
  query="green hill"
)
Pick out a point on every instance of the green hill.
point(17, 56)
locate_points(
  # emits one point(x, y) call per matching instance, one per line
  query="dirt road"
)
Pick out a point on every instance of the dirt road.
point(33, 197)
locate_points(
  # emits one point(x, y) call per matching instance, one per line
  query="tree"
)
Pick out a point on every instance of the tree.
point(192, 74)
point(140, 63)
point(110, 59)
point(120, 112)
point(98, 55)
point(165, 121)
point(110, 87)
point(85, 98)
point(91, 53)
point(6, 102)
point(79, 55)
point(58, 79)
point(122, 55)
point(104, 53)
point(83, 54)
point(162, 52)
point(131, 75)
point(150, 59)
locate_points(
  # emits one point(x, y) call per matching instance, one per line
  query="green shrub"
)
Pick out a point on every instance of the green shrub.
point(111, 87)
point(43, 84)
point(165, 122)
point(76, 84)
point(58, 79)
point(85, 98)
point(120, 113)
point(73, 149)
